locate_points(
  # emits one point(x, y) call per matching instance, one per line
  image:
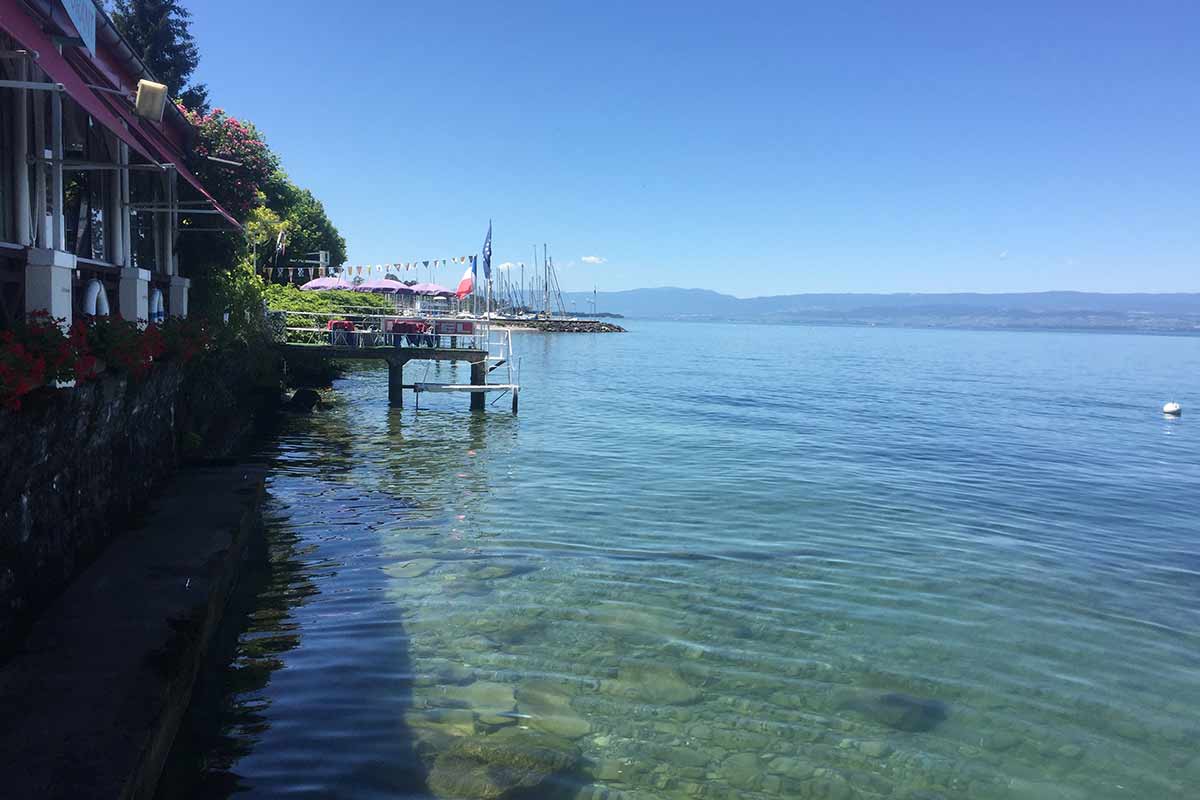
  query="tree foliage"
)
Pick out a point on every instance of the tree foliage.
point(263, 229)
point(159, 32)
point(309, 228)
point(259, 182)
point(236, 290)
point(238, 188)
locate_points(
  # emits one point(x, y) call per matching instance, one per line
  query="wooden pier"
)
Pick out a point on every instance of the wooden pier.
point(475, 347)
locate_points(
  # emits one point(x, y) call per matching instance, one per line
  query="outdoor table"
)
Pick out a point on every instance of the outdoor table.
point(410, 333)
point(341, 332)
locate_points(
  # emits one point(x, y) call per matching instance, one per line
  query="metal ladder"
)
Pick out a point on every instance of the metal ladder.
point(500, 354)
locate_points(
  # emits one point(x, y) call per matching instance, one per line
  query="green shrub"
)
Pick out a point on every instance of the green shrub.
point(286, 297)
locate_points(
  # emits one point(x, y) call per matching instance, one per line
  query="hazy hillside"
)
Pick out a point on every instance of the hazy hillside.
point(1066, 310)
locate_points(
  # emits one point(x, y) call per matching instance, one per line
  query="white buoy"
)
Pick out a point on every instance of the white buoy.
point(1172, 409)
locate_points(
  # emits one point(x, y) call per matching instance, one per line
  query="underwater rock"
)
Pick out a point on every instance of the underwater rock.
point(1074, 751)
point(502, 569)
point(651, 683)
point(493, 703)
point(443, 722)
point(509, 628)
point(1001, 740)
point(549, 710)
point(410, 569)
point(439, 672)
point(1128, 728)
point(475, 644)
point(1023, 789)
point(510, 763)
point(465, 586)
point(684, 758)
point(875, 749)
point(900, 711)
point(829, 787)
point(741, 770)
point(636, 625)
point(492, 572)
point(791, 767)
point(303, 401)
point(610, 770)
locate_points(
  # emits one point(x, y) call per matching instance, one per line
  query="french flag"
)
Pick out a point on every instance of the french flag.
point(467, 284)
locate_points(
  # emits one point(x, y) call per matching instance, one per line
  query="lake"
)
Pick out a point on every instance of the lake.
point(729, 561)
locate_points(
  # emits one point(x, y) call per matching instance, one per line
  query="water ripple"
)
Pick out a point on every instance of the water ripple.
point(728, 541)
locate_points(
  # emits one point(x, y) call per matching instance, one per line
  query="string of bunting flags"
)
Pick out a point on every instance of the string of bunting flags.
point(433, 263)
point(270, 271)
point(366, 270)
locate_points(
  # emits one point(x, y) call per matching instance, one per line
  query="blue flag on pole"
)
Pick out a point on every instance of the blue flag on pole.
point(487, 253)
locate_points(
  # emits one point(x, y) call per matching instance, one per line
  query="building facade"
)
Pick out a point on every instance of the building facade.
point(91, 191)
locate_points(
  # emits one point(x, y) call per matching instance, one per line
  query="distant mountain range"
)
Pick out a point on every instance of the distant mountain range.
point(1174, 313)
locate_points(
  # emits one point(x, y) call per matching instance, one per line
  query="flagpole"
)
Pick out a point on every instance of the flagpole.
point(487, 269)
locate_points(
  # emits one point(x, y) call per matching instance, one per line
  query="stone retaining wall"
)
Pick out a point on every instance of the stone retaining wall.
point(77, 465)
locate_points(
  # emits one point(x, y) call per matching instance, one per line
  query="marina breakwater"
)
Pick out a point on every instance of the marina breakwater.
point(560, 325)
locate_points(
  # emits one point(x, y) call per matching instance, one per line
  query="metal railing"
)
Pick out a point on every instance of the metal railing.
point(374, 330)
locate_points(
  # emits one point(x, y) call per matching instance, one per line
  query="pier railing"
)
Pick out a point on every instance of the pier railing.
point(360, 329)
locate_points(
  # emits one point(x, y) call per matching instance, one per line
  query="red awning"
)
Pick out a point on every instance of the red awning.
point(138, 133)
point(16, 21)
point(194, 181)
point(165, 151)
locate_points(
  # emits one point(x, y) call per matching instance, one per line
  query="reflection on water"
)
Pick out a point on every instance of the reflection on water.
point(819, 563)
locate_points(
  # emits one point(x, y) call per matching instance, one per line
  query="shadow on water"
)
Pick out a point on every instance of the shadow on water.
point(304, 634)
point(231, 711)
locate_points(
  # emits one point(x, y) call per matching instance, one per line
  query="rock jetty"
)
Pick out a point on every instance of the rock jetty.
point(561, 325)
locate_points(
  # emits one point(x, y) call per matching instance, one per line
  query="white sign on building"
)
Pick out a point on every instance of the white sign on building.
point(83, 17)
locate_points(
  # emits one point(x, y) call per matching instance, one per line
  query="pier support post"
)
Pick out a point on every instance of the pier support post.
point(478, 378)
point(395, 382)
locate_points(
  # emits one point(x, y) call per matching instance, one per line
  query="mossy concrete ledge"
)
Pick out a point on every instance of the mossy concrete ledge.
point(93, 698)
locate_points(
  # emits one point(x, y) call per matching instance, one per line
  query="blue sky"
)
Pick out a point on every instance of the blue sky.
point(753, 148)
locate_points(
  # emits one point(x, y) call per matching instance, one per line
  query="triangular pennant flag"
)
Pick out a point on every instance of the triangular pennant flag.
point(426, 263)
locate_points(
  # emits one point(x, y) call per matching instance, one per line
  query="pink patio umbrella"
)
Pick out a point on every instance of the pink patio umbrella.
point(318, 284)
point(431, 290)
point(386, 285)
